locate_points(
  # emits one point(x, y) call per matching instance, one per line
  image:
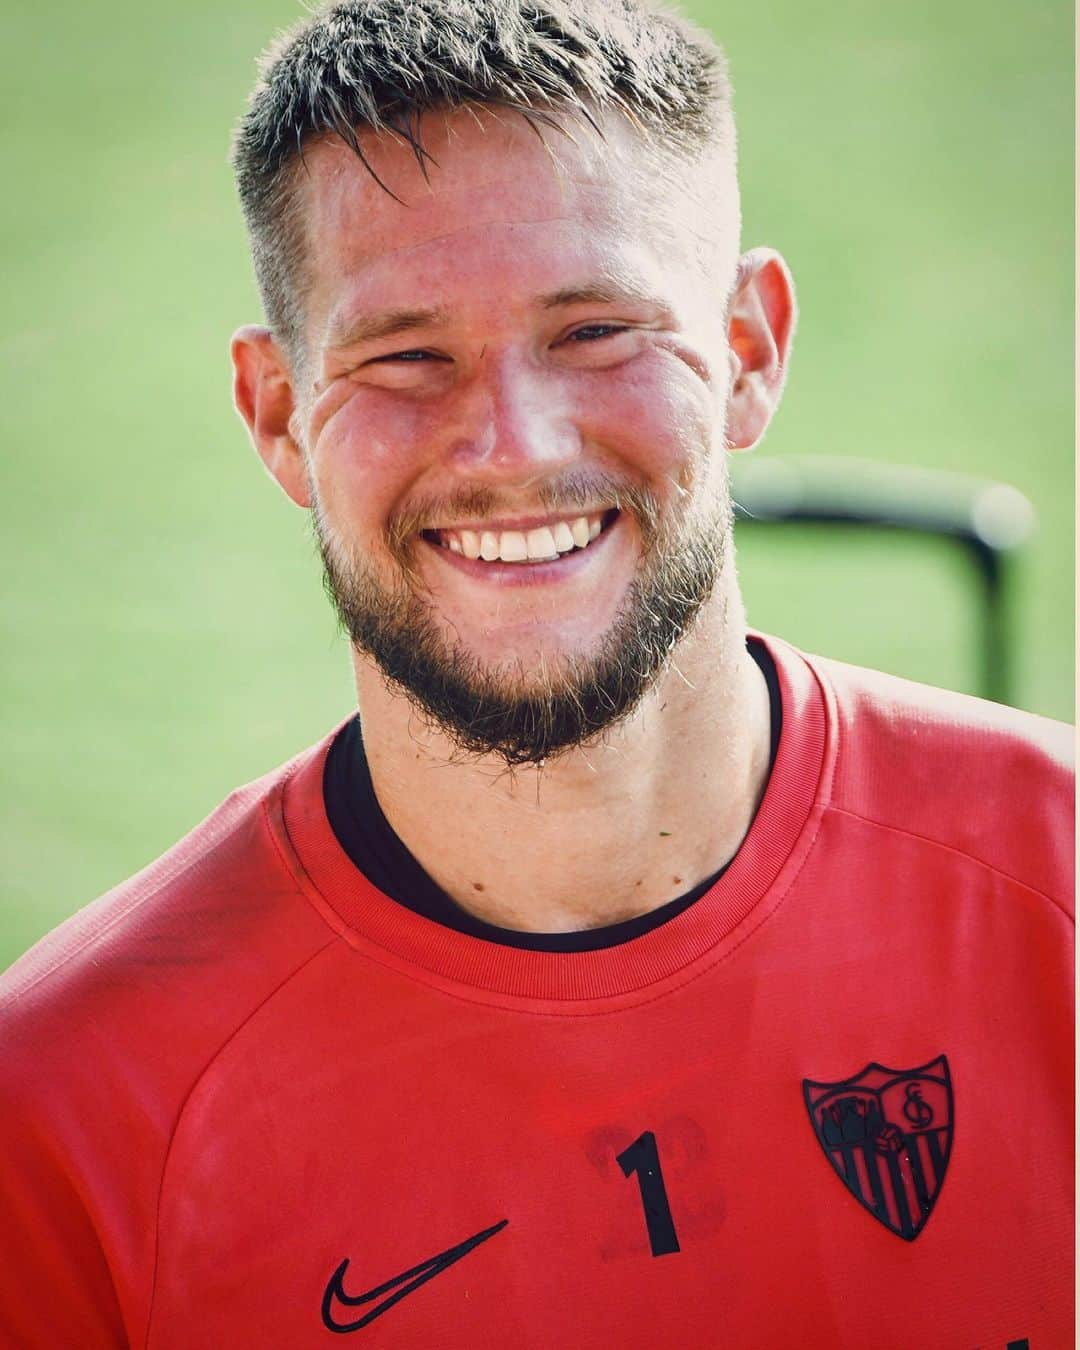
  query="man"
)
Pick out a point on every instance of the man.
point(612, 979)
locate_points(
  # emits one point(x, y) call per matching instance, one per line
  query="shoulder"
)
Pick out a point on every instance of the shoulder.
point(108, 1025)
point(992, 782)
point(175, 957)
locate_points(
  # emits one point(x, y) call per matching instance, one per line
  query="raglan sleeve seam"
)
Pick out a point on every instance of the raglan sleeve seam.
point(1061, 907)
point(332, 940)
point(198, 1079)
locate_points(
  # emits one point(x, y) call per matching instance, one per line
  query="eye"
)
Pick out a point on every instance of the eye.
point(412, 354)
point(593, 332)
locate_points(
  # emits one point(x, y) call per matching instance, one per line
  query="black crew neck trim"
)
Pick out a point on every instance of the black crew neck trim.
point(374, 848)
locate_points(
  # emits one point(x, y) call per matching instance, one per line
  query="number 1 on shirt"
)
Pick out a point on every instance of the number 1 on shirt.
point(641, 1157)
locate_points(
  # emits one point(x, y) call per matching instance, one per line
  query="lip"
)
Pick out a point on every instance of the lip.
point(563, 568)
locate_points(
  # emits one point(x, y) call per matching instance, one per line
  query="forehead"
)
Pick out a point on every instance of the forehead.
point(497, 203)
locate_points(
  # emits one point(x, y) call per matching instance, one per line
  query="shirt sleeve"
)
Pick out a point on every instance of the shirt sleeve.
point(56, 1288)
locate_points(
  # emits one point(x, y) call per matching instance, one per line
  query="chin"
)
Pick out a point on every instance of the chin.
point(529, 662)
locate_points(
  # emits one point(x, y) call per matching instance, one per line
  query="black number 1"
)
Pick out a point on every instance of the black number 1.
point(641, 1157)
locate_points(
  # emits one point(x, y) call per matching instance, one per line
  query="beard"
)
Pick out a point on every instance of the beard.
point(519, 716)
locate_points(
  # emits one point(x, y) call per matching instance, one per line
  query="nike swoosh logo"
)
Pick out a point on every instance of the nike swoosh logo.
point(408, 1280)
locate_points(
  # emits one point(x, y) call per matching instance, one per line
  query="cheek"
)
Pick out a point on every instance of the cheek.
point(658, 412)
point(366, 450)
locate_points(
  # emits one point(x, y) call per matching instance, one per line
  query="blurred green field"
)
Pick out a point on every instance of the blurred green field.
point(165, 633)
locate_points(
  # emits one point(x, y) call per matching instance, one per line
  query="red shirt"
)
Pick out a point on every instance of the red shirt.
point(246, 1067)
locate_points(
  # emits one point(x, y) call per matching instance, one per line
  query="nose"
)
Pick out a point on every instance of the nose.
point(513, 426)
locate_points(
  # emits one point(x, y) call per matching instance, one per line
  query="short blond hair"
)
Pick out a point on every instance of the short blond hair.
point(382, 64)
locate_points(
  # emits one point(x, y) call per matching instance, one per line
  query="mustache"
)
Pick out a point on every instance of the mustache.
point(568, 493)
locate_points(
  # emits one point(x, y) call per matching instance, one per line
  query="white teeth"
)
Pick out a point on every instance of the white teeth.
point(513, 546)
point(541, 543)
point(564, 540)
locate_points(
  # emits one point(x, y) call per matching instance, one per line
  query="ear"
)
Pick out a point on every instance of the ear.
point(264, 398)
point(761, 320)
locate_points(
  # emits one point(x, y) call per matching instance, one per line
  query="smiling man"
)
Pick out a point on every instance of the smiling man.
point(547, 1001)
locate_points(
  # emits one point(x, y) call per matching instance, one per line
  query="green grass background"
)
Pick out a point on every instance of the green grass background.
point(165, 636)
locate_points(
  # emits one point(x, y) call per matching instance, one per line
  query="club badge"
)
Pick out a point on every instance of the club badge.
point(888, 1133)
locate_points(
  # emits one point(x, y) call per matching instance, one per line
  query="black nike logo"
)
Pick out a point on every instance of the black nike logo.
point(408, 1280)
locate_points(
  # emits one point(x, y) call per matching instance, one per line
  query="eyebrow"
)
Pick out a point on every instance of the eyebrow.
point(596, 293)
point(382, 324)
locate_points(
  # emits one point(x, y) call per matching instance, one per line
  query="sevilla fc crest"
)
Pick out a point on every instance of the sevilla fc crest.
point(888, 1134)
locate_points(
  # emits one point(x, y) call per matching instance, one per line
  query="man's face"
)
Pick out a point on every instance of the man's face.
point(512, 423)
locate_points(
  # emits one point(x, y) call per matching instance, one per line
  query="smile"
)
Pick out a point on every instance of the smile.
point(540, 543)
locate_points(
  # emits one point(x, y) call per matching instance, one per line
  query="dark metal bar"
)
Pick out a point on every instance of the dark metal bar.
point(988, 521)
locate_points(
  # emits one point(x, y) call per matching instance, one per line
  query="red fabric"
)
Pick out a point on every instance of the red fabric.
point(246, 1065)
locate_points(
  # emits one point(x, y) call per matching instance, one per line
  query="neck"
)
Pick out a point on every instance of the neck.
point(599, 834)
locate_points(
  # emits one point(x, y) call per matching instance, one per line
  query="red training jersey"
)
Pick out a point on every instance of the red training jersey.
point(246, 1100)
